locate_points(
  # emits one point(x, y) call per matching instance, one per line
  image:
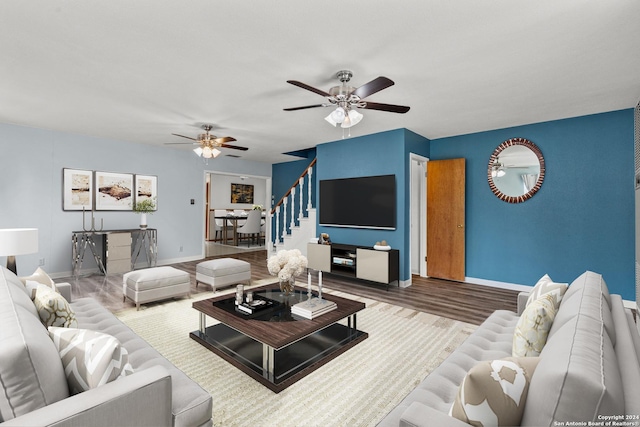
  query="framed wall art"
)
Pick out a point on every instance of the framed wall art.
point(241, 193)
point(114, 191)
point(77, 191)
point(146, 188)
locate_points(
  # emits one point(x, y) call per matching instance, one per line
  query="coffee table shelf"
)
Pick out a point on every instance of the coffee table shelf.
point(278, 353)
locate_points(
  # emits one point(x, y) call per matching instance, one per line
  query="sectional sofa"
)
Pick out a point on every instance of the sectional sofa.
point(587, 372)
point(35, 389)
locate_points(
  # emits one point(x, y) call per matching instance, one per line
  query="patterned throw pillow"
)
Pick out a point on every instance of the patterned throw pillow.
point(90, 359)
point(53, 309)
point(532, 328)
point(546, 286)
point(494, 392)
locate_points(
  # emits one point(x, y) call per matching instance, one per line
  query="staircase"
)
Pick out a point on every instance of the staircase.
point(294, 217)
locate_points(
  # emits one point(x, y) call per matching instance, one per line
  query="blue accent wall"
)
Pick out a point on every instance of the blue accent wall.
point(581, 219)
point(383, 153)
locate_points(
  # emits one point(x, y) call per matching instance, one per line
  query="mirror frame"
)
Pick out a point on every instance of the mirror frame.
point(494, 158)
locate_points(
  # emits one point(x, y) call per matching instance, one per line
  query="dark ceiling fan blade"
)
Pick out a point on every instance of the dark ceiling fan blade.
point(386, 107)
point(182, 136)
point(224, 139)
point(307, 87)
point(375, 85)
point(235, 147)
point(305, 107)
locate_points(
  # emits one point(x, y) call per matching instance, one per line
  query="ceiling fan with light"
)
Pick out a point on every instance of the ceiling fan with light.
point(208, 145)
point(347, 99)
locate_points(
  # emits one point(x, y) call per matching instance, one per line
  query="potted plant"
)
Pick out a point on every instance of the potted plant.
point(144, 207)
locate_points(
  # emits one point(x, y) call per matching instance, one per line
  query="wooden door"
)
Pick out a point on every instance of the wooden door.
point(445, 219)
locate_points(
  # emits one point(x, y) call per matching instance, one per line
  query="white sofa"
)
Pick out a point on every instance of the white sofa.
point(589, 368)
point(34, 390)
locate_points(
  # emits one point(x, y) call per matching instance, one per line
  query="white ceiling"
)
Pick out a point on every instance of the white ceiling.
point(141, 70)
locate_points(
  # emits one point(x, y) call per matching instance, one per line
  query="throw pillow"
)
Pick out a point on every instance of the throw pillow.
point(493, 393)
point(90, 359)
point(40, 276)
point(546, 286)
point(53, 309)
point(31, 286)
point(533, 327)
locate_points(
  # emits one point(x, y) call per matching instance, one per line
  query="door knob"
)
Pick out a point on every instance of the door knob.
point(460, 226)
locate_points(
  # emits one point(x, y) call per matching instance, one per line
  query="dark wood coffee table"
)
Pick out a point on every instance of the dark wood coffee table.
point(273, 346)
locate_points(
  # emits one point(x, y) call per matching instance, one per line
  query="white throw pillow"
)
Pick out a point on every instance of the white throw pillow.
point(547, 286)
point(532, 328)
point(40, 276)
point(90, 359)
point(494, 392)
point(53, 309)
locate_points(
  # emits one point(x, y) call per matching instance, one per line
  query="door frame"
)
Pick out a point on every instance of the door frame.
point(418, 161)
point(266, 203)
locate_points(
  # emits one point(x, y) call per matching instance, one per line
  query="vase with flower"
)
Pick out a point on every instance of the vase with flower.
point(144, 207)
point(287, 265)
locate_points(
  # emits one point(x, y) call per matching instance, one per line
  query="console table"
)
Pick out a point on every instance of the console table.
point(108, 247)
point(359, 262)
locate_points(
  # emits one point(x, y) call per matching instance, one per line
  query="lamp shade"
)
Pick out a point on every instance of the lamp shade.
point(18, 241)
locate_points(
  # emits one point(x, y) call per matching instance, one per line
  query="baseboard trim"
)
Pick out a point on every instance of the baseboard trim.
point(496, 284)
point(138, 266)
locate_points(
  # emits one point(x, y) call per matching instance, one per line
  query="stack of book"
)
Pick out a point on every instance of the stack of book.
point(313, 308)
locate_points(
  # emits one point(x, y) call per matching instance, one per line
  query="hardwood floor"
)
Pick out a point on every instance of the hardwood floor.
point(455, 300)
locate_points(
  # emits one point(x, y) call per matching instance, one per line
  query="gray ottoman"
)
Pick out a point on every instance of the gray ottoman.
point(154, 284)
point(223, 272)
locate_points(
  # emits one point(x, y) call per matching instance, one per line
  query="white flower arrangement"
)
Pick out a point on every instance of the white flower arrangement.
point(287, 264)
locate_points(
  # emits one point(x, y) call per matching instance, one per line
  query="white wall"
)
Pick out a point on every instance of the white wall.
point(31, 191)
point(221, 191)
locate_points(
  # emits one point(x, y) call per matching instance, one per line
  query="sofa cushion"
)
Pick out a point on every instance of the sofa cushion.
point(90, 358)
point(547, 286)
point(30, 370)
point(494, 392)
point(533, 327)
point(578, 377)
point(53, 309)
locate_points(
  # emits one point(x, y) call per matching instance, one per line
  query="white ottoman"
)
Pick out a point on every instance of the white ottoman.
point(223, 272)
point(153, 284)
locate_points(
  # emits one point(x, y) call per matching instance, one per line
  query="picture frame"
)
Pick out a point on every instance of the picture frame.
point(77, 189)
point(113, 191)
point(146, 188)
point(242, 193)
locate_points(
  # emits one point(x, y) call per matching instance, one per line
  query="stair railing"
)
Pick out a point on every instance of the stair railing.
point(281, 209)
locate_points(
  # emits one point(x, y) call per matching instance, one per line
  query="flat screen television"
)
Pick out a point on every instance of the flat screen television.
point(365, 202)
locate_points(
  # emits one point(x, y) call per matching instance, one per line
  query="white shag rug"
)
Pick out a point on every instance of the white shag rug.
point(358, 388)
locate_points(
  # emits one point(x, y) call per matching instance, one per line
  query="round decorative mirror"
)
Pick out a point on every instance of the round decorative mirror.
point(516, 170)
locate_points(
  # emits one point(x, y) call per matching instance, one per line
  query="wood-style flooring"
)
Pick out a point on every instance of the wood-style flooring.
point(460, 301)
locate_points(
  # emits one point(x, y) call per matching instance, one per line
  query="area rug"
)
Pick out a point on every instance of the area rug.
point(358, 388)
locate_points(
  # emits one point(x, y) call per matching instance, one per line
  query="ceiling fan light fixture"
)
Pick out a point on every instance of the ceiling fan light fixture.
point(198, 151)
point(207, 152)
point(215, 152)
point(338, 115)
point(352, 119)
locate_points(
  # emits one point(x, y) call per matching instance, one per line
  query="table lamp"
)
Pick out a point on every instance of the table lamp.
point(17, 241)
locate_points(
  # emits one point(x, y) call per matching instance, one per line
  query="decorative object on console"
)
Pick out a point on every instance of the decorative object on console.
point(93, 222)
point(382, 246)
point(324, 239)
point(144, 207)
point(17, 241)
point(77, 193)
point(287, 265)
point(516, 170)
